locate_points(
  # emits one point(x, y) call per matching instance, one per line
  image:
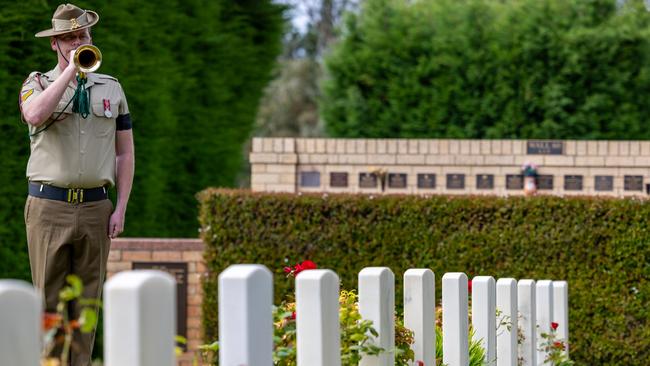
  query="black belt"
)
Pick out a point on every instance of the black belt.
point(71, 195)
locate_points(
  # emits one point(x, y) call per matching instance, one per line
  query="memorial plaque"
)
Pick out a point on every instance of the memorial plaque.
point(367, 180)
point(544, 147)
point(603, 183)
point(514, 181)
point(426, 181)
point(179, 272)
point(633, 183)
point(310, 179)
point(573, 182)
point(485, 181)
point(396, 180)
point(455, 181)
point(339, 179)
point(545, 182)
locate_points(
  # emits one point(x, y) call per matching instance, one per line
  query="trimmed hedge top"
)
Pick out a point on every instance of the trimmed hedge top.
point(599, 245)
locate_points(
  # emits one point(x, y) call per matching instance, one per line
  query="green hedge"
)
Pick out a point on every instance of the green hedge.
point(601, 246)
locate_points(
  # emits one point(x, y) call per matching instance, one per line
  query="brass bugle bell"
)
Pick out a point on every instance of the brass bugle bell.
point(87, 58)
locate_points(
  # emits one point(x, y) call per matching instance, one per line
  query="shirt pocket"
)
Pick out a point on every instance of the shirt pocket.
point(104, 125)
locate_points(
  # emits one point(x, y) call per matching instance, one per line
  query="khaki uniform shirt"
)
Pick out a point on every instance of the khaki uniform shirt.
point(75, 152)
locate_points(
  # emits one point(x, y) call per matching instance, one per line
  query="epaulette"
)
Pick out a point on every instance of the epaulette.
point(32, 75)
point(105, 77)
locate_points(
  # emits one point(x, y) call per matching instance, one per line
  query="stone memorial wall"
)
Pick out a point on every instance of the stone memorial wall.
point(416, 166)
point(183, 259)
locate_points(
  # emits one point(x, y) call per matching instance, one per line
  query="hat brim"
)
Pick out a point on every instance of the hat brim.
point(94, 18)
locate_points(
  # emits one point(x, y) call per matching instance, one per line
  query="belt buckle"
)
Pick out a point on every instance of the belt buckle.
point(75, 195)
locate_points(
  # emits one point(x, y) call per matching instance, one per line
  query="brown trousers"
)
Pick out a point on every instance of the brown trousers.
point(64, 239)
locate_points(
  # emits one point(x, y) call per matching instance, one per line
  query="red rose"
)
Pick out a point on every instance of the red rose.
point(308, 265)
point(420, 363)
point(559, 345)
point(469, 287)
point(554, 325)
point(287, 270)
point(305, 265)
point(293, 315)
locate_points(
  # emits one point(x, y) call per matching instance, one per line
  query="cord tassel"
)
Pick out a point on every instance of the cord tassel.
point(80, 101)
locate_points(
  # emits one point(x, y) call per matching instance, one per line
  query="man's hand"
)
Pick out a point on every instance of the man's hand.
point(116, 224)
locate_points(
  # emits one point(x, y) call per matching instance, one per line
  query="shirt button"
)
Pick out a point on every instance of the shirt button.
point(83, 152)
point(83, 132)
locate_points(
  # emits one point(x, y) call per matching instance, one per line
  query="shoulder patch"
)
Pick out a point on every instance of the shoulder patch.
point(26, 94)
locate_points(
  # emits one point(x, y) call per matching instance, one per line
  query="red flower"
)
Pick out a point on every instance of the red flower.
point(305, 265)
point(308, 265)
point(469, 287)
point(299, 267)
point(51, 320)
point(554, 325)
point(420, 363)
point(293, 315)
point(559, 345)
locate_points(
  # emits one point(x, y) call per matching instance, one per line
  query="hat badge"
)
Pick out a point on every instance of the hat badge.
point(74, 24)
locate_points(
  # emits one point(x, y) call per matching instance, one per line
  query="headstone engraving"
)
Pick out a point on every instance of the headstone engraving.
point(396, 180)
point(367, 180)
point(633, 183)
point(455, 181)
point(573, 182)
point(514, 181)
point(604, 183)
point(179, 272)
point(339, 179)
point(485, 181)
point(310, 179)
point(544, 147)
point(427, 180)
point(545, 182)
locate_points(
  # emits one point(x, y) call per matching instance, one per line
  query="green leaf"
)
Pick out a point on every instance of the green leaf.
point(87, 320)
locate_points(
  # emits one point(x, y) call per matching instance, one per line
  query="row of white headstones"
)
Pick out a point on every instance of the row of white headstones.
point(140, 317)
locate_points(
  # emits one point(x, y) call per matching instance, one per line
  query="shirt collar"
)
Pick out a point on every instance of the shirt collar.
point(93, 79)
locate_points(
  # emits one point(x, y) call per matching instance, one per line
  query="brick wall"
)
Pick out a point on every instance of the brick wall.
point(128, 250)
point(280, 164)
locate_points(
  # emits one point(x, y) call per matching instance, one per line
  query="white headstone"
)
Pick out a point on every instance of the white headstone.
point(377, 303)
point(140, 319)
point(420, 313)
point(455, 326)
point(544, 314)
point(245, 316)
point(317, 318)
point(20, 324)
point(561, 312)
point(484, 315)
point(528, 322)
point(507, 331)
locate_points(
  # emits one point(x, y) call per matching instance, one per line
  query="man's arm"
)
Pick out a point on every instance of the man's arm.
point(41, 108)
point(125, 166)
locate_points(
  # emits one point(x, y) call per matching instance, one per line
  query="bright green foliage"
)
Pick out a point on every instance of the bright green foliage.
point(600, 246)
point(575, 69)
point(476, 351)
point(193, 72)
point(356, 334)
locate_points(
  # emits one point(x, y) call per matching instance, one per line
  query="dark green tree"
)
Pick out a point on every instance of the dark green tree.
point(193, 72)
point(491, 69)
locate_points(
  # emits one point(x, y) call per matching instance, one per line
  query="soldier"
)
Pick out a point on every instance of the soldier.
point(78, 151)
